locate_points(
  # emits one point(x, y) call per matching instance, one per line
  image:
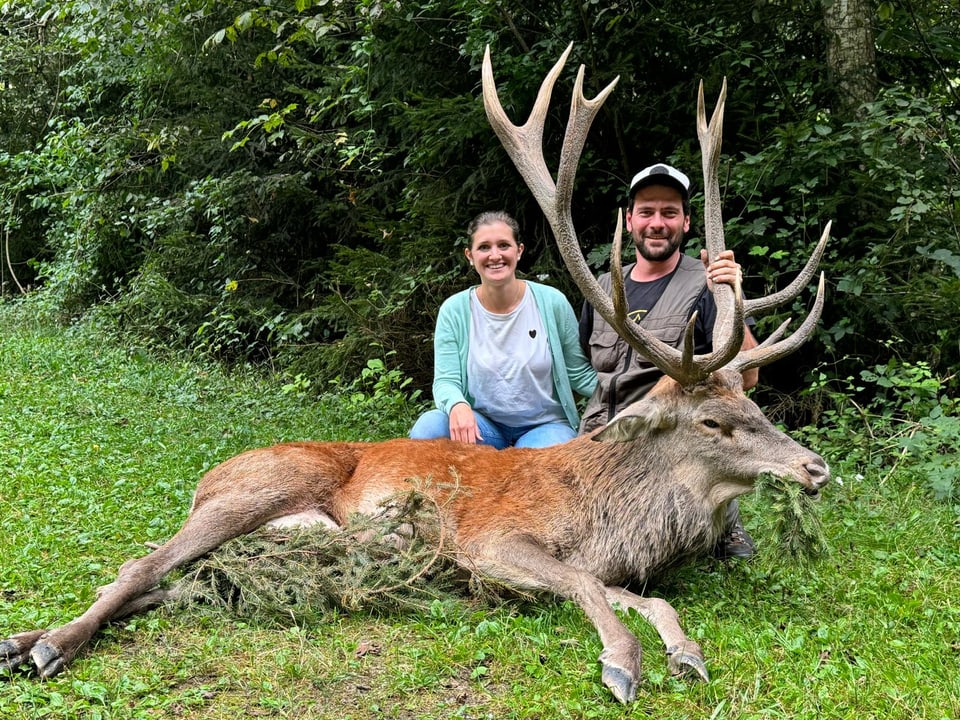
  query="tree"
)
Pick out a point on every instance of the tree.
point(289, 182)
point(851, 57)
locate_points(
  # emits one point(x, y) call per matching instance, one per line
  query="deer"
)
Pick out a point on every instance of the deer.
point(580, 520)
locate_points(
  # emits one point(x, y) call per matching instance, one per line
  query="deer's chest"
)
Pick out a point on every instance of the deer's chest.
point(634, 539)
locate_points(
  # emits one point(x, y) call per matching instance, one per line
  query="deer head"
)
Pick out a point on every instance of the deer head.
point(524, 145)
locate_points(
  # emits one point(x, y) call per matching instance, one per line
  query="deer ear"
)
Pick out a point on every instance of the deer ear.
point(641, 418)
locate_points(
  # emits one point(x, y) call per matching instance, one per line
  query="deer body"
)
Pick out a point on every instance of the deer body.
point(577, 519)
point(620, 505)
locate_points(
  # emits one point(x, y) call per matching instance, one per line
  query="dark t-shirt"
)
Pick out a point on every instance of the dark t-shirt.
point(641, 297)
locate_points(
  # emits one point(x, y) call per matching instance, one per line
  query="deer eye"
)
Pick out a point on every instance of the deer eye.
point(712, 424)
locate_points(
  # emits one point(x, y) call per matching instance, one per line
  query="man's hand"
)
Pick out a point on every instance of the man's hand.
point(724, 269)
point(463, 424)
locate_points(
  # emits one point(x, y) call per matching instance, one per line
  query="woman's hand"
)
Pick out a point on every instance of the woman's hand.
point(463, 424)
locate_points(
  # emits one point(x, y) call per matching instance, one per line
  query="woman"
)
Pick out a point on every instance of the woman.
point(507, 355)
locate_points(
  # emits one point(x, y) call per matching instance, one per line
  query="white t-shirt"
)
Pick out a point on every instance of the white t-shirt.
point(509, 367)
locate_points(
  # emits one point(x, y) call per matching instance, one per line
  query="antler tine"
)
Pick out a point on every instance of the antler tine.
point(773, 348)
point(582, 113)
point(728, 328)
point(711, 140)
point(617, 291)
point(524, 145)
point(767, 302)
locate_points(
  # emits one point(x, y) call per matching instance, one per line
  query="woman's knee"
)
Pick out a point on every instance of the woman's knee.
point(547, 435)
point(431, 425)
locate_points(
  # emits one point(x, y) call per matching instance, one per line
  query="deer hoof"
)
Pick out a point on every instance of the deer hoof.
point(10, 657)
point(15, 650)
point(47, 658)
point(686, 660)
point(622, 682)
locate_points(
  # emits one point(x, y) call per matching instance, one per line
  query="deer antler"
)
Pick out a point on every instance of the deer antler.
point(524, 145)
point(729, 323)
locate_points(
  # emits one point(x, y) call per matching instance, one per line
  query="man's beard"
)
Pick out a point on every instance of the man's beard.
point(660, 254)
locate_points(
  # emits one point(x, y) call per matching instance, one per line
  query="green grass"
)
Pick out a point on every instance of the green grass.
point(101, 446)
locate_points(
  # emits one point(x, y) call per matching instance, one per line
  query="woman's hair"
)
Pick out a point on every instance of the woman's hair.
point(494, 216)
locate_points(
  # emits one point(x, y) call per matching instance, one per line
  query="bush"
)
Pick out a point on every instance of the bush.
point(894, 418)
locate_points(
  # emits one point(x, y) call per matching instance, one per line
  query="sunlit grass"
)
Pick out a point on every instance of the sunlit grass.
point(102, 446)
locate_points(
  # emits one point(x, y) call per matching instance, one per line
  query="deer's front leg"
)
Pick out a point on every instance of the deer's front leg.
point(523, 563)
point(684, 656)
point(15, 650)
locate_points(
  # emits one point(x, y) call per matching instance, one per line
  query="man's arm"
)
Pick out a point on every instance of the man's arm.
point(751, 376)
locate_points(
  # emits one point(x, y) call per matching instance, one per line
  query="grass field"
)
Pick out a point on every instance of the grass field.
point(101, 446)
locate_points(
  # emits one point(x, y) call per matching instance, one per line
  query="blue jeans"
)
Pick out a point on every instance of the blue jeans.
point(436, 424)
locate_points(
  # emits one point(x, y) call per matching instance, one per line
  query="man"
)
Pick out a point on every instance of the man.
point(663, 287)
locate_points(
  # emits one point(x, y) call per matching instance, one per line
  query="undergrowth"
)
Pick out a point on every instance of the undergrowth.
point(892, 418)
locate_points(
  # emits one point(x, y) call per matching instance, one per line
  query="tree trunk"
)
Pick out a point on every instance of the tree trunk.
point(851, 57)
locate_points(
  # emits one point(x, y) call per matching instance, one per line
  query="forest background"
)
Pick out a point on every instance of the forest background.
point(287, 183)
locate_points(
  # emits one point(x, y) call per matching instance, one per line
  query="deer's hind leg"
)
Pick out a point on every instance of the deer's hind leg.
point(232, 499)
point(135, 589)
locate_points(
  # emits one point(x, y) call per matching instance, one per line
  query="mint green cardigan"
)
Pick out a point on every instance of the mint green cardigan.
point(572, 371)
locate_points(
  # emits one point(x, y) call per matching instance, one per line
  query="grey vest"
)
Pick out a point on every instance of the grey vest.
point(624, 376)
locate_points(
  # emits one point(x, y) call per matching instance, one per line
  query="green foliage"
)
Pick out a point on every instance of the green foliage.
point(110, 139)
point(797, 529)
point(379, 395)
point(893, 418)
point(325, 157)
point(211, 281)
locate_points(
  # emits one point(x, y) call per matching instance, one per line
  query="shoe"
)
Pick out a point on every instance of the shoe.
point(737, 543)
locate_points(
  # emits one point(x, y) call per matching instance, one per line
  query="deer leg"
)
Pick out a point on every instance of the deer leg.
point(148, 601)
point(134, 589)
point(15, 650)
point(684, 656)
point(527, 565)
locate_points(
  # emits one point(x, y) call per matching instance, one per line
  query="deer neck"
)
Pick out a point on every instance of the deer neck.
point(723, 492)
point(662, 519)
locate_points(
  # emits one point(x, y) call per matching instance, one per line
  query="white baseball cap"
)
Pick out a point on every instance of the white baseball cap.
point(660, 174)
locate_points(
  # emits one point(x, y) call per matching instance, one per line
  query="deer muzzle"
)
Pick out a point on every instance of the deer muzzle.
point(818, 475)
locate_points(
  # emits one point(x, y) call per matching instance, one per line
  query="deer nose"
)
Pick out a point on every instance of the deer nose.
point(819, 473)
